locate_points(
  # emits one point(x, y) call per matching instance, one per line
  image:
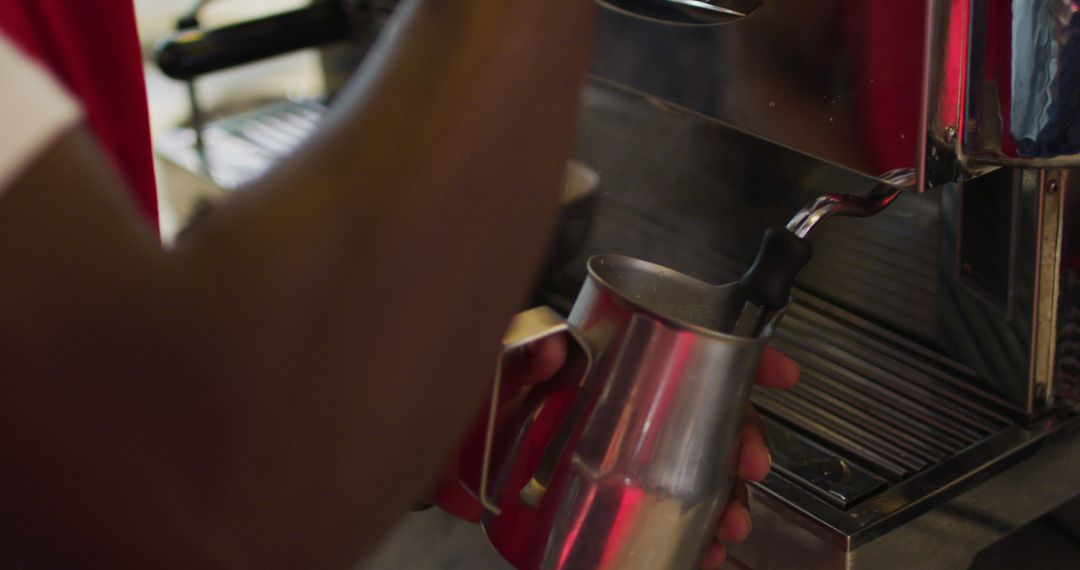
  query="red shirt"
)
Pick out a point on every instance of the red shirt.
point(92, 47)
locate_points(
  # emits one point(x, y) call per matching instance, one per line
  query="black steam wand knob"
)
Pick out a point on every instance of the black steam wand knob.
point(766, 286)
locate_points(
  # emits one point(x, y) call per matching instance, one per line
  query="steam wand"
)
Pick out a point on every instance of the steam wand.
point(784, 251)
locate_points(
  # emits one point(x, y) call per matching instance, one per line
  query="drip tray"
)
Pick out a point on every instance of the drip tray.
point(871, 409)
point(826, 474)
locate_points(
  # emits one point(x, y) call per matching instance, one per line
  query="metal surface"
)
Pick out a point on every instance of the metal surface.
point(895, 412)
point(838, 80)
point(948, 88)
point(811, 465)
point(893, 385)
point(944, 79)
point(700, 195)
point(1067, 369)
point(685, 12)
point(1023, 474)
point(1048, 270)
point(651, 460)
point(1001, 284)
point(1002, 77)
point(1038, 474)
point(829, 205)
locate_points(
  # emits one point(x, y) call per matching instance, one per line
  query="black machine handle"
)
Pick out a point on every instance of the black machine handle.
point(190, 53)
point(768, 281)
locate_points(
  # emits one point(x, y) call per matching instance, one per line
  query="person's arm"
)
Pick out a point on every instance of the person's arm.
point(275, 391)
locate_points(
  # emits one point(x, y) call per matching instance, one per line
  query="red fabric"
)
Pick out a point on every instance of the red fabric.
point(92, 48)
point(880, 61)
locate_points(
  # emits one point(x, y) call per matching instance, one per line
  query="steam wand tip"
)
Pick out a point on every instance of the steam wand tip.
point(824, 207)
point(767, 284)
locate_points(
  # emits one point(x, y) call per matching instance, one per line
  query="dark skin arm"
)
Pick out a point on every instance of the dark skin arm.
point(277, 390)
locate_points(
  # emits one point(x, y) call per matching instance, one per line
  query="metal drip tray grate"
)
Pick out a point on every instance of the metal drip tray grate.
point(240, 148)
point(871, 408)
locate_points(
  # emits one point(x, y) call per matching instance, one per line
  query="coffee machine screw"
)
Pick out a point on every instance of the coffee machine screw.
point(1052, 187)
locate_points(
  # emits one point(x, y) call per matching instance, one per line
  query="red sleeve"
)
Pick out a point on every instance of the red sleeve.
point(92, 47)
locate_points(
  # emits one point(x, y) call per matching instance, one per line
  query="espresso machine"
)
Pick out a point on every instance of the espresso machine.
point(939, 340)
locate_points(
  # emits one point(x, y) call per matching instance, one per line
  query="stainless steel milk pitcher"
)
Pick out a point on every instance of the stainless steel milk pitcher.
point(627, 461)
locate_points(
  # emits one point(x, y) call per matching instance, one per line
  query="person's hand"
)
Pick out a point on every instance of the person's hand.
point(775, 371)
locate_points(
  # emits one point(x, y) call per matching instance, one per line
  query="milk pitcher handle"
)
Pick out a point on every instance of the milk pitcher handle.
point(526, 328)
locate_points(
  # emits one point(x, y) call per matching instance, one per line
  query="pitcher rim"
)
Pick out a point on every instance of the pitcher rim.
point(666, 320)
